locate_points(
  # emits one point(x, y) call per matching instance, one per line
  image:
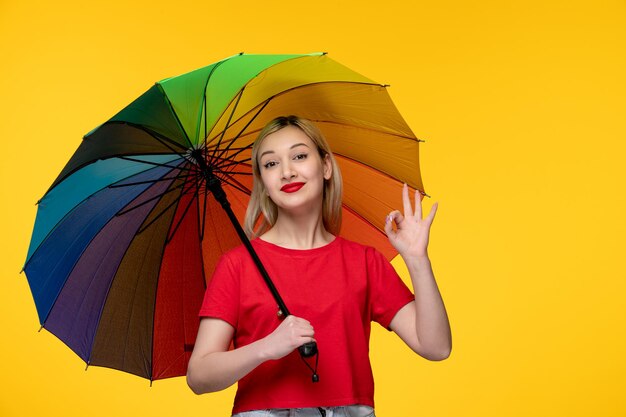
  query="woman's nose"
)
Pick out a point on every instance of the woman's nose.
point(288, 172)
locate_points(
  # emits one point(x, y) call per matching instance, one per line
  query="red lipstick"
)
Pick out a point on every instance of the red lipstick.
point(292, 187)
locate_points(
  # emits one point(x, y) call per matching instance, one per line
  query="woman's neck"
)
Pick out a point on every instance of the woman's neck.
point(303, 232)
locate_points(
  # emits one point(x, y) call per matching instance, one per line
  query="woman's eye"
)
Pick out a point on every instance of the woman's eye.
point(299, 157)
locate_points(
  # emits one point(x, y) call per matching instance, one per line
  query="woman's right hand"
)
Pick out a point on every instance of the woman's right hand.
point(288, 336)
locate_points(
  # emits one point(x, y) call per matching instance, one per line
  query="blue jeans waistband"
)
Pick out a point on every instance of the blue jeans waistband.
point(341, 411)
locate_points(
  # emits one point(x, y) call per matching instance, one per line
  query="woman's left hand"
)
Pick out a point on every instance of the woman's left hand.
point(411, 235)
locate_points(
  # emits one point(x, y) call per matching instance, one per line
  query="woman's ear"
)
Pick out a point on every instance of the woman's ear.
point(328, 167)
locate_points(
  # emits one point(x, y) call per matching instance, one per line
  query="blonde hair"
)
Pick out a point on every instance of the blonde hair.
point(260, 203)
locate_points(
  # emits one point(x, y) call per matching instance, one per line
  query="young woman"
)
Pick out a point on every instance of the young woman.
point(333, 287)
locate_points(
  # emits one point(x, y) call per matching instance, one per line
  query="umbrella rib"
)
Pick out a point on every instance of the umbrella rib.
point(378, 170)
point(190, 190)
point(128, 184)
point(169, 238)
point(232, 172)
point(155, 163)
point(89, 162)
point(203, 283)
point(157, 196)
point(228, 124)
point(234, 148)
point(248, 82)
point(311, 84)
point(237, 153)
point(356, 214)
point(158, 216)
point(121, 213)
point(233, 164)
point(169, 105)
point(206, 85)
point(202, 257)
point(342, 124)
point(224, 162)
point(239, 185)
point(369, 129)
point(140, 231)
point(150, 371)
point(198, 191)
point(240, 132)
point(161, 138)
point(202, 219)
point(242, 162)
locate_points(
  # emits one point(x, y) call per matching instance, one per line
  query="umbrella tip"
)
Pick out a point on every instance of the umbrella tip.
point(324, 53)
point(39, 331)
point(385, 85)
point(241, 53)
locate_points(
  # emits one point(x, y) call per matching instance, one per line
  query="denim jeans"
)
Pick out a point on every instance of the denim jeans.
point(341, 411)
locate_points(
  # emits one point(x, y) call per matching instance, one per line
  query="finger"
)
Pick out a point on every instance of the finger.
point(433, 211)
point(397, 217)
point(418, 205)
point(307, 332)
point(296, 324)
point(305, 327)
point(297, 320)
point(388, 227)
point(393, 216)
point(302, 321)
point(303, 324)
point(408, 210)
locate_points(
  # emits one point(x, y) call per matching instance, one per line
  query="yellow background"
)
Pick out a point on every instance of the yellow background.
point(522, 106)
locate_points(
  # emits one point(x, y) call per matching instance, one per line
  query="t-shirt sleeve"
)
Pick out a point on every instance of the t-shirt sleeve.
point(387, 292)
point(221, 298)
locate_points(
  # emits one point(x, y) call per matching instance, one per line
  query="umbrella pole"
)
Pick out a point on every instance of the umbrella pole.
point(215, 185)
point(220, 196)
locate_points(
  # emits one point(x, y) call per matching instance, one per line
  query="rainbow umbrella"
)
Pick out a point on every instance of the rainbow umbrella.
point(127, 236)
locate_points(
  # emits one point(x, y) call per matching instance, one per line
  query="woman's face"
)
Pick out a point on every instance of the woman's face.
point(292, 170)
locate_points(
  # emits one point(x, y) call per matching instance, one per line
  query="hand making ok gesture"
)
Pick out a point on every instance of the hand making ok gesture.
point(411, 235)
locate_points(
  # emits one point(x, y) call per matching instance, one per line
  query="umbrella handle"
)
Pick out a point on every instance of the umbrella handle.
point(308, 349)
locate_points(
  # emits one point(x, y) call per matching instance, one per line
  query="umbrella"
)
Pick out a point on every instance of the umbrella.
point(127, 236)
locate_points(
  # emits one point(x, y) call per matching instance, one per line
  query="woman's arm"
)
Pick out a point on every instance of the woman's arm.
point(212, 367)
point(423, 324)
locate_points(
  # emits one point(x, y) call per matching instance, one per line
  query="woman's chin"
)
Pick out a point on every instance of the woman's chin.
point(297, 207)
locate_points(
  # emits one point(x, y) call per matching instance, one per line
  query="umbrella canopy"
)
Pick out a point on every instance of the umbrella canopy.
point(127, 236)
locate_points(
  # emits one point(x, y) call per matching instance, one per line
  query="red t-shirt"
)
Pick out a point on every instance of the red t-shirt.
point(340, 288)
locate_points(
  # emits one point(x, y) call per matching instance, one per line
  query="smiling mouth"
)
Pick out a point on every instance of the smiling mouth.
point(292, 188)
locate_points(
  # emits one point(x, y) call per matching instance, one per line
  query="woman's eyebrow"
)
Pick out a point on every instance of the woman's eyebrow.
point(291, 147)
